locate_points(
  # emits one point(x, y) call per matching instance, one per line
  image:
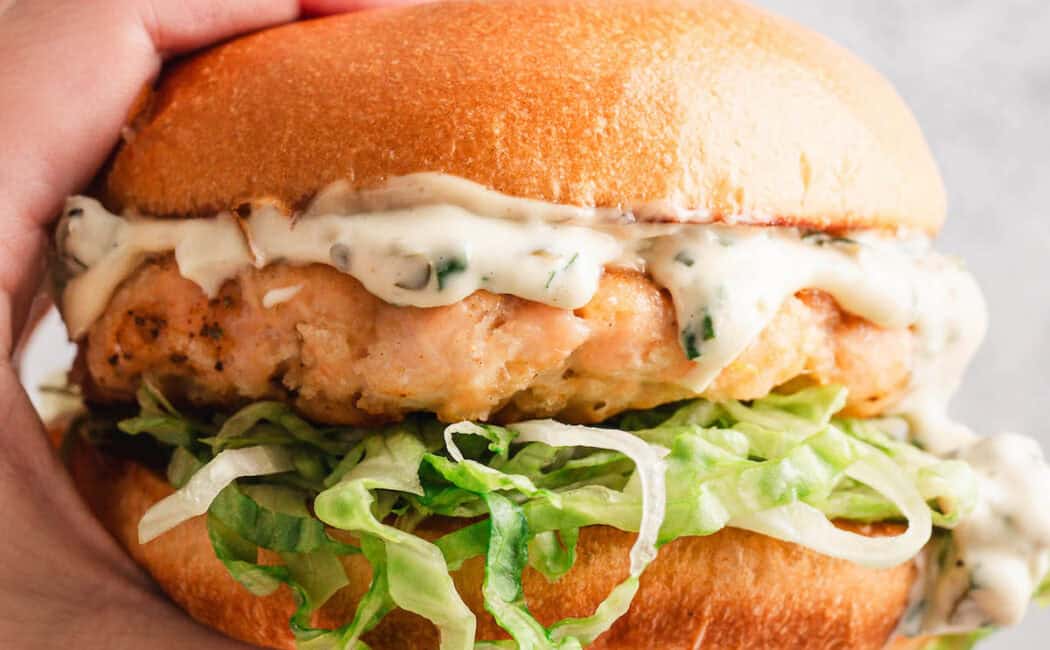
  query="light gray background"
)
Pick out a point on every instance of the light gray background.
point(977, 75)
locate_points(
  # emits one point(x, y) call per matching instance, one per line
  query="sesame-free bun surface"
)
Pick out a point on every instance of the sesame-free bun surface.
point(709, 104)
point(731, 590)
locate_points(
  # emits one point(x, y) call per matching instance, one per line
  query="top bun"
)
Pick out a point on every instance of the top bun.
point(711, 105)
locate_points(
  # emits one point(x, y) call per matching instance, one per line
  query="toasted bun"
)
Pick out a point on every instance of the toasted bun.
point(709, 104)
point(734, 589)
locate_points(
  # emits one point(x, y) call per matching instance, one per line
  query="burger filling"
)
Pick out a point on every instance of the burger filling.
point(712, 421)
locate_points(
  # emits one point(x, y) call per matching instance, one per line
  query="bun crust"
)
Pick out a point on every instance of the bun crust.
point(709, 104)
point(734, 589)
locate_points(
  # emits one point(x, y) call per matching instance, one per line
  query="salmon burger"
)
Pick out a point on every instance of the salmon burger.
point(535, 325)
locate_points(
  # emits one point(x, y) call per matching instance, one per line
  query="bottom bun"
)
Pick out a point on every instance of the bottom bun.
point(734, 589)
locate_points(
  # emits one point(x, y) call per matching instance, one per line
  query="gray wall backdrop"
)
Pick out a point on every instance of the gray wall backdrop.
point(977, 75)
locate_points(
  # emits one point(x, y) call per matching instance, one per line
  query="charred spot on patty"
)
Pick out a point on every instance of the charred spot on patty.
point(212, 331)
point(148, 325)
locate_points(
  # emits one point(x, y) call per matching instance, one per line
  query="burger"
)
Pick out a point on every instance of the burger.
point(540, 325)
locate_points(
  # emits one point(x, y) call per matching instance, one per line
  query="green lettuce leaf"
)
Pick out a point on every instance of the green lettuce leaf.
point(275, 517)
point(965, 641)
point(418, 579)
point(504, 564)
point(553, 552)
point(523, 492)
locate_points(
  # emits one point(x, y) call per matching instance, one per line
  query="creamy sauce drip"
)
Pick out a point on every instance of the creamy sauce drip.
point(984, 572)
point(438, 255)
point(101, 249)
point(728, 282)
point(427, 240)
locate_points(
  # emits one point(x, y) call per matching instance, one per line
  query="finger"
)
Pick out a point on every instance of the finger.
point(60, 565)
point(319, 7)
point(70, 69)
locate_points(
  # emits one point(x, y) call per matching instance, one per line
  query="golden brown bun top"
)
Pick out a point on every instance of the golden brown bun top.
point(712, 104)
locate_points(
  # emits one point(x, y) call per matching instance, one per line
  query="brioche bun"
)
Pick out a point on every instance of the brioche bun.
point(734, 589)
point(708, 104)
point(711, 108)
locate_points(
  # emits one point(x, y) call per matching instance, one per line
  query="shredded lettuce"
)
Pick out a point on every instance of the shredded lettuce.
point(784, 465)
point(649, 470)
point(201, 490)
point(504, 563)
point(965, 641)
point(553, 552)
point(1042, 592)
point(418, 579)
point(275, 517)
point(803, 524)
point(160, 419)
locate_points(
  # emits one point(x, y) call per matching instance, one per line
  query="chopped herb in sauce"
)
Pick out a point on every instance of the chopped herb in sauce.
point(550, 276)
point(709, 327)
point(447, 266)
point(823, 239)
point(691, 340)
point(684, 258)
point(689, 344)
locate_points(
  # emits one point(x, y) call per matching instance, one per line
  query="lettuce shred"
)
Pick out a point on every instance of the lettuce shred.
point(319, 494)
point(965, 641)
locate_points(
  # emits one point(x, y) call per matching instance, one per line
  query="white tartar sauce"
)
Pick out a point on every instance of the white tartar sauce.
point(984, 572)
point(427, 240)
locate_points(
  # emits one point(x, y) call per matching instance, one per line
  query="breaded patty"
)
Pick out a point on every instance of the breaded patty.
point(343, 356)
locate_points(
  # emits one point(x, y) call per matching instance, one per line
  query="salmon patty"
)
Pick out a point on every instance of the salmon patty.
point(314, 337)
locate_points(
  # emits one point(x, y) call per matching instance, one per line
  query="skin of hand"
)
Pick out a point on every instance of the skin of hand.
point(70, 71)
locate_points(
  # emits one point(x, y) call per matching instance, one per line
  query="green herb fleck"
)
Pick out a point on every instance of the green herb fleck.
point(692, 350)
point(550, 276)
point(447, 266)
point(709, 326)
point(684, 258)
point(691, 340)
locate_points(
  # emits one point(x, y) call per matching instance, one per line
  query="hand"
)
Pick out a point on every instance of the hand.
point(70, 71)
